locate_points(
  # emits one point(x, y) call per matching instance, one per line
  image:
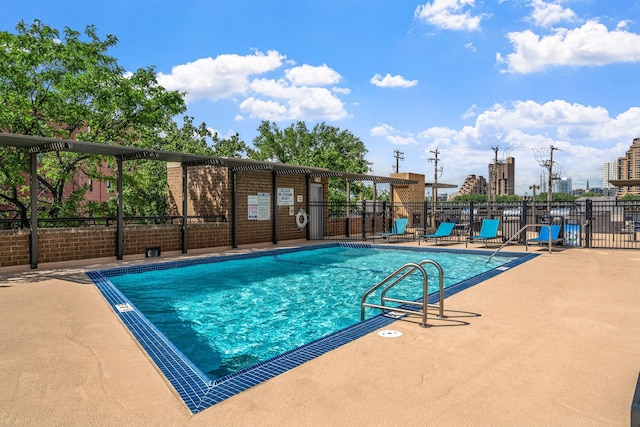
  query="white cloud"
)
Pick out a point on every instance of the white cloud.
point(401, 140)
point(548, 14)
point(471, 47)
point(449, 14)
point(589, 45)
point(264, 110)
point(382, 129)
point(623, 24)
point(303, 92)
point(220, 77)
point(471, 112)
point(587, 137)
point(309, 75)
point(392, 135)
point(391, 81)
point(287, 102)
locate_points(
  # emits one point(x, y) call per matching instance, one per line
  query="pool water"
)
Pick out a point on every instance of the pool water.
point(228, 315)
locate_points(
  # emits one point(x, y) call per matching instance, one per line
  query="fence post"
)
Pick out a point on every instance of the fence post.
point(364, 220)
point(588, 218)
point(523, 220)
point(384, 215)
point(347, 227)
point(471, 219)
point(424, 217)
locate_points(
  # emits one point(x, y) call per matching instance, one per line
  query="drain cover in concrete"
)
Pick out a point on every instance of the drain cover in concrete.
point(388, 333)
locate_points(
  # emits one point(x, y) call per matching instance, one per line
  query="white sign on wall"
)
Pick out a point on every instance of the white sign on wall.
point(285, 196)
point(252, 202)
point(264, 206)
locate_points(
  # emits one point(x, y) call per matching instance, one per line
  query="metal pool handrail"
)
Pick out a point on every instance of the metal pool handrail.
point(402, 273)
point(525, 240)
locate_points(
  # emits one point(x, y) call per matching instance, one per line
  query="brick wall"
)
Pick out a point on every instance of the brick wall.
point(287, 227)
point(14, 247)
point(65, 244)
point(68, 244)
point(209, 194)
point(209, 235)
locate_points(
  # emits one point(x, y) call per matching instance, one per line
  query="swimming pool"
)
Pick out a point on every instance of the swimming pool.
point(214, 341)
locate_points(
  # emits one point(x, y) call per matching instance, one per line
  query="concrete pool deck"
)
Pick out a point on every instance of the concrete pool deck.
point(553, 342)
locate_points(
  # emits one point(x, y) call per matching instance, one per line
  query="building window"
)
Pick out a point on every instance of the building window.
point(90, 185)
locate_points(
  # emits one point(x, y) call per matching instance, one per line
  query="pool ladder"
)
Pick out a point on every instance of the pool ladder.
point(518, 233)
point(398, 276)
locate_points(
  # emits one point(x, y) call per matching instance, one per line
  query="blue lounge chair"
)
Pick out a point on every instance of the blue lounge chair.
point(444, 230)
point(488, 231)
point(543, 235)
point(399, 225)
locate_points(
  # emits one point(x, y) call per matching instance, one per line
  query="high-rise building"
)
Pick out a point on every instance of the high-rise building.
point(562, 185)
point(503, 180)
point(629, 169)
point(474, 185)
point(609, 172)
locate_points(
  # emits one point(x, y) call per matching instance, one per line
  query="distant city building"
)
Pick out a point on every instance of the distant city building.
point(505, 175)
point(473, 185)
point(562, 185)
point(629, 170)
point(609, 172)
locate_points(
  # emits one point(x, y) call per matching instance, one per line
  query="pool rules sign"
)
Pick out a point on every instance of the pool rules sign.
point(259, 207)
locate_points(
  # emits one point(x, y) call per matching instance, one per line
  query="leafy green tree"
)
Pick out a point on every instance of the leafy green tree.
point(590, 194)
point(556, 197)
point(629, 197)
point(324, 146)
point(230, 147)
point(509, 198)
point(481, 198)
point(55, 85)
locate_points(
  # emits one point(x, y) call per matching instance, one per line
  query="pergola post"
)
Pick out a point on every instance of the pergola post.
point(308, 180)
point(185, 177)
point(119, 221)
point(33, 230)
point(348, 210)
point(234, 209)
point(274, 184)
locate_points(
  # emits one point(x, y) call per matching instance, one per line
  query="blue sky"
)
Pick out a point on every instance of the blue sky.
point(461, 76)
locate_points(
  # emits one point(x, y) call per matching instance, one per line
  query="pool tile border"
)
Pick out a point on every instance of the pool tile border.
point(197, 391)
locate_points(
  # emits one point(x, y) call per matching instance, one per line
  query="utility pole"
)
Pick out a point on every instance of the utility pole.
point(399, 156)
point(493, 187)
point(548, 165)
point(550, 177)
point(434, 191)
point(533, 204)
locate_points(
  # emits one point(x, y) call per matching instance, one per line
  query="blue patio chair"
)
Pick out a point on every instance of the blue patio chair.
point(397, 230)
point(488, 231)
point(444, 230)
point(543, 235)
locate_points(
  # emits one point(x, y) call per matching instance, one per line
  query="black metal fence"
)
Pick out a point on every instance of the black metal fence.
point(8, 224)
point(591, 224)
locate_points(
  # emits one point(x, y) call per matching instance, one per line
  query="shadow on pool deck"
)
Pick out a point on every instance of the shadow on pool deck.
point(553, 342)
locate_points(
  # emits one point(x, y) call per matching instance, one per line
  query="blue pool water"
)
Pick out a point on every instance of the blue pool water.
point(226, 316)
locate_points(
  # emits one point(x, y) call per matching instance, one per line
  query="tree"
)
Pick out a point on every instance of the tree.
point(629, 197)
point(556, 197)
point(325, 147)
point(63, 86)
point(509, 198)
point(145, 187)
point(481, 198)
